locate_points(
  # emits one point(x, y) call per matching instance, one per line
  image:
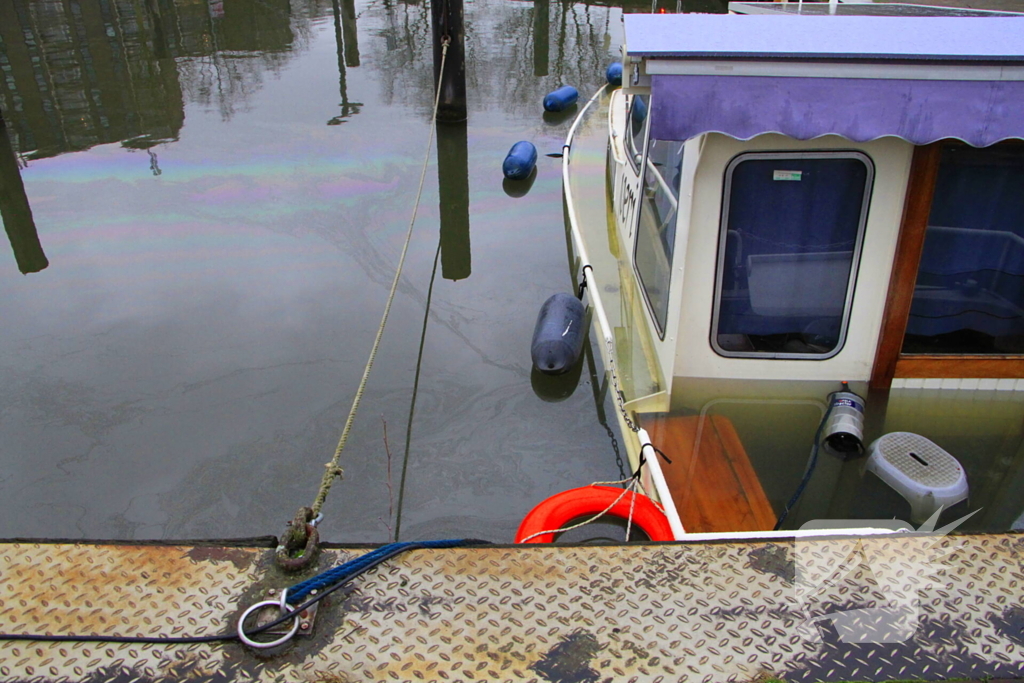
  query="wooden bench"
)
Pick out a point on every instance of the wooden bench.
point(711, 479)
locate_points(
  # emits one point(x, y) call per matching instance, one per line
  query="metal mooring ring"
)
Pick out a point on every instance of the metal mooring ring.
point(282, 604)
point(309, 553)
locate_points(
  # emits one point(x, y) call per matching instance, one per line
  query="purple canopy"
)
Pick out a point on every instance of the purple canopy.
point(920, 111)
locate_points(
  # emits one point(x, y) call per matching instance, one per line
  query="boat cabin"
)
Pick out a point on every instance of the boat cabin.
point(826, 197)
point(801, 201)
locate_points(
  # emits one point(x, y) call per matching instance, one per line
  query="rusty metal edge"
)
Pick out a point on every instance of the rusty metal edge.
point(272, 541)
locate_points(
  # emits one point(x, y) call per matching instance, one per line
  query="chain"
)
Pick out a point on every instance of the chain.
point(620, 399)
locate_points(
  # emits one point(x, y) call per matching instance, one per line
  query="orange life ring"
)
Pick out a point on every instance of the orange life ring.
point(554, 512)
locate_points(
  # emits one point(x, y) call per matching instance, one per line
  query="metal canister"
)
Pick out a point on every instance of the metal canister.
point(843, 434)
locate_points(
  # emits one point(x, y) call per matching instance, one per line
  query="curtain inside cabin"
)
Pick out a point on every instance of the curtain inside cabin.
point(786, 258)
point(969, 296)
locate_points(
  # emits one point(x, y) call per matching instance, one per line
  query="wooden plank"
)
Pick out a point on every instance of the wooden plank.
point(712, 482)
point(917, 206)
point(982, 367)
point(762, 516)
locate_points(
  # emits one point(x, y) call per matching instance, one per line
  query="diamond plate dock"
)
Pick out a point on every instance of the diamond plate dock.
point(697, 612)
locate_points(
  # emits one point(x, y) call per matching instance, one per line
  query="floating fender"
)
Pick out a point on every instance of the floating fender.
point(554, 512)
point(614, 74)
point(520, 162)
point(558, 337)
point(561, 99)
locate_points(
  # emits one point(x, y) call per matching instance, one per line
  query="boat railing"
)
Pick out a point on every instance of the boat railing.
point(657, 477)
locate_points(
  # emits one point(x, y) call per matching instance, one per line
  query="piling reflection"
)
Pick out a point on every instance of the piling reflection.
point(348, 55)
point(541, 29)
point(15, 211)
point(453, 190)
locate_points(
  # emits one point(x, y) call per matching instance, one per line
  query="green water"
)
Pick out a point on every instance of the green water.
point(221, 190)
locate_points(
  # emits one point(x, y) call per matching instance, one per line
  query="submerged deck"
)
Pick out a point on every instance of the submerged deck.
point(712, 482)
point(671, 612)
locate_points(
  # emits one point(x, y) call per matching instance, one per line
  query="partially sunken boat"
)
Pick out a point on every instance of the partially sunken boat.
point(702, 356)
point(800, 201)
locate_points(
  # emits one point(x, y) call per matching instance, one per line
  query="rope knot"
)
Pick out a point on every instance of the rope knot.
point(300, 543)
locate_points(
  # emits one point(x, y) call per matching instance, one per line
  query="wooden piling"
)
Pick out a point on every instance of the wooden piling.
point(446, 22)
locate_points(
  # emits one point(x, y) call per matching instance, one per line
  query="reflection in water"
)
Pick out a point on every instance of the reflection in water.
point(225, 49)
point(560, 118)
point(348, 55)
point(205, 329)
point(81, 74)
point(453, 191)
point(412, 406)
point(519, 188)
point(541, 29)
point(554, 388)
point(505, 37)
point(15, 211)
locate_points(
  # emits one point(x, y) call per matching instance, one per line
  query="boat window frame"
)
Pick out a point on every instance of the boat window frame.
point(636, 236)
point(630, 143)
point(851, 286)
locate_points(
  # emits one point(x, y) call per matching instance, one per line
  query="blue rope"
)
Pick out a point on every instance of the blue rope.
point(353, 568)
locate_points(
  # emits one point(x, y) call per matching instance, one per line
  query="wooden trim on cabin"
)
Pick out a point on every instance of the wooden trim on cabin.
point(932, 366)
point(917, 206)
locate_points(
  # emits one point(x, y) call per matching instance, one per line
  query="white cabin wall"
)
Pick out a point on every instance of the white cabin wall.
point(694, 356)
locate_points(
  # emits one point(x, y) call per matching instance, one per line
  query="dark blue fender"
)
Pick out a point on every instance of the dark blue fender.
point(558, 337)
point(614, 74)
point(561, 99)
point(520, 162)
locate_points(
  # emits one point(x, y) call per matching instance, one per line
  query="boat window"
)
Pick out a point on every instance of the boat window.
point(638, 118)
point(656, 232)
point(969, 295)
point(788, 253)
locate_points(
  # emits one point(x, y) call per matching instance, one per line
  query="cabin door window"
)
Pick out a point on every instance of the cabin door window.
point(792, 226)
